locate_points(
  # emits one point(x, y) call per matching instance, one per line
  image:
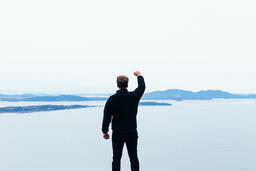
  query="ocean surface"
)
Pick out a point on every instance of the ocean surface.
point(215, 135)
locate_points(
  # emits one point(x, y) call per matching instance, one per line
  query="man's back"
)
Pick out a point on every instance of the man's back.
point(122, 107)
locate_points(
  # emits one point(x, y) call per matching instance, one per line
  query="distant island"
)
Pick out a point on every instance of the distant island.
point(42, 108)
point(154, 104)
point(170, 94)
point(48, 98)
point(39, 108)
point(179, 95)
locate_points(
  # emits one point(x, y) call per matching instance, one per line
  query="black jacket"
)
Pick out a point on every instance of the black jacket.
point(122, 109)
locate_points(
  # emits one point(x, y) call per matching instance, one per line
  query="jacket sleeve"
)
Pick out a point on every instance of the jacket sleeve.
point(141, 87)
point(107, 115)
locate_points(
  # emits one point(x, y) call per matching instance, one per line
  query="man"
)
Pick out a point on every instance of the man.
point(122, 108)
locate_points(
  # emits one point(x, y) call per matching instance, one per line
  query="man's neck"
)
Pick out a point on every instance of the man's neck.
point(122, 90)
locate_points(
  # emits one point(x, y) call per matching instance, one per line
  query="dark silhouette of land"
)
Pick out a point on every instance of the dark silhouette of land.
point(39, 108)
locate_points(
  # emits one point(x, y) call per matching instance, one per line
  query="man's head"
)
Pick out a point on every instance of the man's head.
point(122, 81)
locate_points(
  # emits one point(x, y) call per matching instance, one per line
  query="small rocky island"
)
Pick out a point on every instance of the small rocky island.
point(42, 108)
point(154, 104)
point(39, 108)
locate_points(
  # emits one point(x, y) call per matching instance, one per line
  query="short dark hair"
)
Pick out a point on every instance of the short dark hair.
point(122, 81)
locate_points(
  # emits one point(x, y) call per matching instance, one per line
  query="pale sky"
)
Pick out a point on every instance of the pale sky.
point(61, 46)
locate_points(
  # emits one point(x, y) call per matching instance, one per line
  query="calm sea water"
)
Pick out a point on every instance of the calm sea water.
point(216, 135)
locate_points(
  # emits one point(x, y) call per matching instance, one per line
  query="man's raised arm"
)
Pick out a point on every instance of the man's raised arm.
point(141, 85)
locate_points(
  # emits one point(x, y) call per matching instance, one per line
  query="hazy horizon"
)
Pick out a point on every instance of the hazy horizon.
point(108, 93)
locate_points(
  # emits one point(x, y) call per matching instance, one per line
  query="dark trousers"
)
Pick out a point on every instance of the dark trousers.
point(131, 141)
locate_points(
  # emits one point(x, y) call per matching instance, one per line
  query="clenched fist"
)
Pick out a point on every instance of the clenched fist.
point(137, 73)
point(106, 136)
